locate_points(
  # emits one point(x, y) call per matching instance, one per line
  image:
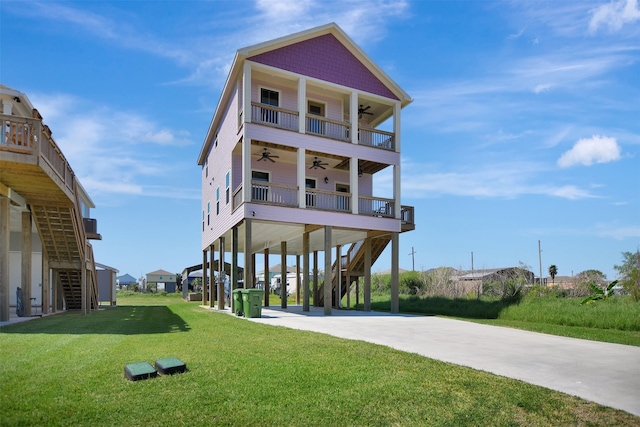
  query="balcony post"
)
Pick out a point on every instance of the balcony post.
point(246, 92)
point(353, 178)
point(396, 125)
point(353, 115)
point(246, 170)
point(302, 105)
point(397, 208)
point(302, 186)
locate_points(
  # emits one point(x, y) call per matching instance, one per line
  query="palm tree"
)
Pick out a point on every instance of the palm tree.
point(553, 270)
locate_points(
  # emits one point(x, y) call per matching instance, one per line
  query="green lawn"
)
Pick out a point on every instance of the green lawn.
point(69, 370)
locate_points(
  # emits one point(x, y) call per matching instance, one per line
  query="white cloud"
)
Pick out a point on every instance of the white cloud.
point(500, 180)
point(614, 15)
point(542, 88)
point(618, 232)
point(597, 149)
point(109, 150)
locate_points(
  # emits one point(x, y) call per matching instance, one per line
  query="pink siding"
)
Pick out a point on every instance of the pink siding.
point(220, 162)
point(327, 59)
point(288, 95)
point(315, 217)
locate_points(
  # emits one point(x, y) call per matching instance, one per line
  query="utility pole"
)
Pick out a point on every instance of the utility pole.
point(413, 260)
point(540, 261)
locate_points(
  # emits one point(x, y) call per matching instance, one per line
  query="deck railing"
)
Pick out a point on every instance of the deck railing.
point(316, 125)
point(274, 116)
point(328, 200)
point(28, 136)
point(376, 206)
point(377, 138)
point(274, 194)
point(333, 129)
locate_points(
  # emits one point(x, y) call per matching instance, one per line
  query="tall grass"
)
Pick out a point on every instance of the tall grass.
point(67, 369)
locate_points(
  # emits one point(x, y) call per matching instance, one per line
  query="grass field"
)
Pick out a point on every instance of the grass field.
point(69, 370)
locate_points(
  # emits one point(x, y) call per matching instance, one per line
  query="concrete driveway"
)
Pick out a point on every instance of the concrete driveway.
point(605, 373)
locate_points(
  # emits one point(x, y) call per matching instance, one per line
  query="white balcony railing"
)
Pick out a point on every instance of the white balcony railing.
point(333, 129)
point(274, 116)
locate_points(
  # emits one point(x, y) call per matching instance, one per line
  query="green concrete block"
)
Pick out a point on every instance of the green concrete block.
point(139, 371)
point(170, 365)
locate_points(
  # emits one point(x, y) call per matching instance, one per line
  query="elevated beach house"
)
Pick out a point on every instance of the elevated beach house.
point(304, 124)
point(45, 223)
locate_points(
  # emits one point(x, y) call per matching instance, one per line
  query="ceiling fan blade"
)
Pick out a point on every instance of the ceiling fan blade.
point(270, 159)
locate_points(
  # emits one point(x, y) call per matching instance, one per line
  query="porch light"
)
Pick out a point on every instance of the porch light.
point(326, 180)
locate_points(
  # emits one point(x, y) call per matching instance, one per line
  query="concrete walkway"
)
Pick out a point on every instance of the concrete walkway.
point(605, 373)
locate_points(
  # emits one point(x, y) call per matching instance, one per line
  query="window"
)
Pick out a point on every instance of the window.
point(227, 182)
point(217, 200)
point(310, 195)
point(315, 125)
point(208, 213)
point(259, 192)
point(272, 98)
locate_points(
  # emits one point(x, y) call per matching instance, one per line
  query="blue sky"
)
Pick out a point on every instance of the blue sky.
point(525, 124)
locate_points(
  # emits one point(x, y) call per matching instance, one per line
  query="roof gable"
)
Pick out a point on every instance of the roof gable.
point(325, 58)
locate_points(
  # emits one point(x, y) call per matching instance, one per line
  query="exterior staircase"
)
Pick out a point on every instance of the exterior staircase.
point(352, 267)
point(32, 164)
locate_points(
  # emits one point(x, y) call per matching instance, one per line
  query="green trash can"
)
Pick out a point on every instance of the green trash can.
point(252, 302)
point(237, 301)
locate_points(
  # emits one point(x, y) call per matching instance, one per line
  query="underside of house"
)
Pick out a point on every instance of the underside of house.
point(41, 201)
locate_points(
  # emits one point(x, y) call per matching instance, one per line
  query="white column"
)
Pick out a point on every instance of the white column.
point(246, 170)
point(302, 104)
point(302, 175)
point(353, 181)
point(353, 113)
point(246, 92)
point(396, 124)
point(396, 190)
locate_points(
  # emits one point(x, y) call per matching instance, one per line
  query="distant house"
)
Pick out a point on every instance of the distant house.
point(474, 280)
point(45, 218)
point(304, 125)
point(126, 280)
point(163, 279)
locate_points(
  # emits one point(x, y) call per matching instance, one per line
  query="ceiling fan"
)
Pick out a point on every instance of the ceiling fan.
point(268, 156)
point(363, 110)
point(318, 164)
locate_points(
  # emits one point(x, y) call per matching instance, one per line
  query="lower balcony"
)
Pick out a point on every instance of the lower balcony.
point(333, 201)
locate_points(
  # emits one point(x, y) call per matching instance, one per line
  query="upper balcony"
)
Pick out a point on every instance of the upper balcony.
point(32, 164)
point(320, 126)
